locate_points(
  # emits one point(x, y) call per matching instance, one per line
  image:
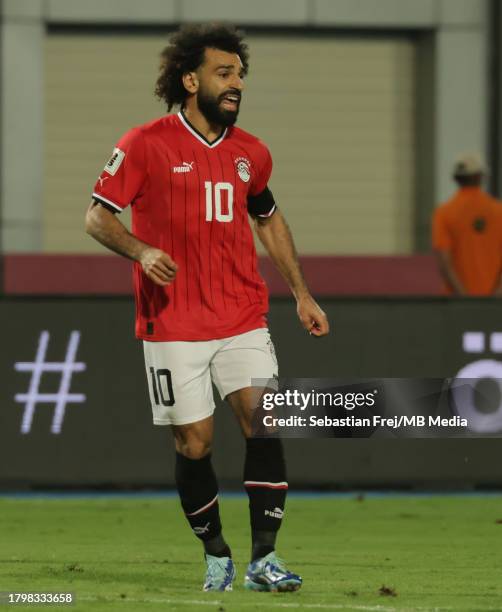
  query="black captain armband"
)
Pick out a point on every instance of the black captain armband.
point(262, 205)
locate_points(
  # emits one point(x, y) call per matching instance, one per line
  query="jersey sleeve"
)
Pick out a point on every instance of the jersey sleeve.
point(441, 237)
point(124, 175)
point(263, 170)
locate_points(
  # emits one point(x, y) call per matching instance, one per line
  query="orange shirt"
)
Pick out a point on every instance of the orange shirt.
point(469, 226)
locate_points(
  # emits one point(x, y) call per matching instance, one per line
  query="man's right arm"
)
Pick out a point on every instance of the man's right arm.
point(448, 272)
point(442, 244)
point(104, 227)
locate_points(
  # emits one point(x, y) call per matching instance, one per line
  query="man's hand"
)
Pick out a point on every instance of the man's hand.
point(311, 315)
point(158, 266)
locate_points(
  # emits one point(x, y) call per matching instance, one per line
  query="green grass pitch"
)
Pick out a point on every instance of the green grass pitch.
point(127, 554)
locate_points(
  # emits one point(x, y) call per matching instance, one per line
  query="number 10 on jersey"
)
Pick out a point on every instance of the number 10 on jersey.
point(215, 202)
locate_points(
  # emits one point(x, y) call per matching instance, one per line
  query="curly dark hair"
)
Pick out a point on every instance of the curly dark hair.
point(185, 53)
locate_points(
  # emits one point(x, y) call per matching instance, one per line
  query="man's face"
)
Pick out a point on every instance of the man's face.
point(220, 87)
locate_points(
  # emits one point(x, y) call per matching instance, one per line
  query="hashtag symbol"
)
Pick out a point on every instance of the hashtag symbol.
point(63, 395)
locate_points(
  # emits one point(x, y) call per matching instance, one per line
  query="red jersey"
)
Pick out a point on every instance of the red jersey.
point(189, 198)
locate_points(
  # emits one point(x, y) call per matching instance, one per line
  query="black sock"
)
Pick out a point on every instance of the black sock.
point(198, 491)
point(217, 547)
point(263, 542)
point(266, 486)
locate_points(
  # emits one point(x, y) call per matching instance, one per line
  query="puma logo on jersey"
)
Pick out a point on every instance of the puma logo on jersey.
point(186, 167)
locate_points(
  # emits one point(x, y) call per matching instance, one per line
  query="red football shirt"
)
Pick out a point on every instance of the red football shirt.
point(189, 198)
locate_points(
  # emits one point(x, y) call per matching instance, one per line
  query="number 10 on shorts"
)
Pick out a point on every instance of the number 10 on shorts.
point(162, 387)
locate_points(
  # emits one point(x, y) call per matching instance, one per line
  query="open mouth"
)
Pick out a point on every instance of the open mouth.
point(231, 101)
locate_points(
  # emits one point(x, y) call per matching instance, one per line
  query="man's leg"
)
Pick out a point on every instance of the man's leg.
point(197, 485)
point(266, 486)
point(264, 477)
point(181, 395)
point(235, 364)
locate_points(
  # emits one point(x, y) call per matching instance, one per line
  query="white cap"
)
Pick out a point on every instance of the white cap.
point(469, 164)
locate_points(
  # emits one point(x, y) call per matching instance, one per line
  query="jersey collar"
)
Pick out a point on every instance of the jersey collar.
point(195, 132)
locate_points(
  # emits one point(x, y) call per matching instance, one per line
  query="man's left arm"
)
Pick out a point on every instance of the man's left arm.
point(275, 235)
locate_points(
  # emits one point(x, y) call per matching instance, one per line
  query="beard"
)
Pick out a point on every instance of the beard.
point(210, 107)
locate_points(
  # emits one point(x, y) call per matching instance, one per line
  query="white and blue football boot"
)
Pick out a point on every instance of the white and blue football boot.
point(220, 573)
point(270, 574)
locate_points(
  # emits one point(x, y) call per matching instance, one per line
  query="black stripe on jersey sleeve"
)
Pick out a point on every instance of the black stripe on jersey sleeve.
point(262, 205)
point(105, 204)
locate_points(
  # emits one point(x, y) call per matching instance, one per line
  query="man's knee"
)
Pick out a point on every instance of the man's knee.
point(193, 448)
point(193, 440)
point(193, 443)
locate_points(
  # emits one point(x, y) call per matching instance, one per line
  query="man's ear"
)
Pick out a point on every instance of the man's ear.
point(191, 82)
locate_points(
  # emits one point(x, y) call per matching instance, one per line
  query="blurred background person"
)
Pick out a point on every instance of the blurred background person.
point(467, 233)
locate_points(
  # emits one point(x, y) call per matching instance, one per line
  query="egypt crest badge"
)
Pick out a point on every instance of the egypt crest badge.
point(243, 168)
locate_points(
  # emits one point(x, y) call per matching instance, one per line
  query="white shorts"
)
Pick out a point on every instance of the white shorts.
point(180, 373)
